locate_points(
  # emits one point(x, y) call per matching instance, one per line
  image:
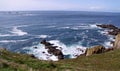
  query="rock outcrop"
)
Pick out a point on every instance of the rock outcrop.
point(94, 50)
point(108, 26)
point(113, 30)
point(52, 49)
point(117, 42)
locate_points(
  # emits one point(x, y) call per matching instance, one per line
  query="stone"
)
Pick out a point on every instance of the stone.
point(46, 43)
point(35, 47)
point(108, 26)
point(95, 50)
point(117, 42)
point(114, 32)
point(53, 49)
point(33, 56)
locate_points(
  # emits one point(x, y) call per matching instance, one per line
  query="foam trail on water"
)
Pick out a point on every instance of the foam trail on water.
point(18, 32)
point(90, 26)
point(12, 41)
point(7, 41)
point(5, 35)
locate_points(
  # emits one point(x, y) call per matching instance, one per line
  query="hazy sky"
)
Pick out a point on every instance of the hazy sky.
point(67, 5)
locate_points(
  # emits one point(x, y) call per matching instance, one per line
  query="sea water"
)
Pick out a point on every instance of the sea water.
point(21, 31)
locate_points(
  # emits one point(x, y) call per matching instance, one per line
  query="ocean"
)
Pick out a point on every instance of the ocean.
point(21, 31)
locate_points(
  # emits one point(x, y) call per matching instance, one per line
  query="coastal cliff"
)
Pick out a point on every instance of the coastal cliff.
point(98, 59)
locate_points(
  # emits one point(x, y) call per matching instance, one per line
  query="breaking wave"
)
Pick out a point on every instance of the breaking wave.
point(71, 51)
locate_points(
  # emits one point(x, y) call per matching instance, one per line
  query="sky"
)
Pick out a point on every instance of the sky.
point(62, 5)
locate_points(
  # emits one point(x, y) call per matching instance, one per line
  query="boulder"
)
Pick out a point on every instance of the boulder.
point(117, 42)
point(94, 50)
point(53, 49)
point(45, 43)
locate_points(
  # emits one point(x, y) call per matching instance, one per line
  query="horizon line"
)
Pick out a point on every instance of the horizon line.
point(58, 10)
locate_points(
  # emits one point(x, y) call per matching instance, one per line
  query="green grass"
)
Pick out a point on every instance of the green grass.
point(109, 61)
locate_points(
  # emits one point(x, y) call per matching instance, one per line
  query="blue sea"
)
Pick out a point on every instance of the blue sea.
point(21, 31)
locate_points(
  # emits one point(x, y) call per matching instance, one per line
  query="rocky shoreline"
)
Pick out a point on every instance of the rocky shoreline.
point(56, 51)
point(112, 30)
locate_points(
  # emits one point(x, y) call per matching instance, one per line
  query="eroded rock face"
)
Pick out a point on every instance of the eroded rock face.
point(94, 50)
point(117, 42)
point(53, 49)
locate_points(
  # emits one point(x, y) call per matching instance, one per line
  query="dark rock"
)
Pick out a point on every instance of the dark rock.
point(32, 56)
point(113, 30)
point(108, 26)
point(109, 49)
point(46, 43)
point(80, 49)
point(43, 52)
point(112, 42)
point(53, 49)
point(35, 47)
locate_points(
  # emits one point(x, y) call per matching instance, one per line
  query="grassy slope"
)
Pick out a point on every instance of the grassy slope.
point(109, 61)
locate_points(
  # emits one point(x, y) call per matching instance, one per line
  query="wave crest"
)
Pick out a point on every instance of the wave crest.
point(18, 32)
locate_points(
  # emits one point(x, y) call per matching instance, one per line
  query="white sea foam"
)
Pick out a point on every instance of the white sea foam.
point(7, 41)
point(65, 27)
point(41, 53)
point(18, 32)
point(72, 50)
point(12, 41)
point(90, 26)
point(43, 36)
point(104, 32)
point(5, 35)
point(93, 26)
point(108, 44)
